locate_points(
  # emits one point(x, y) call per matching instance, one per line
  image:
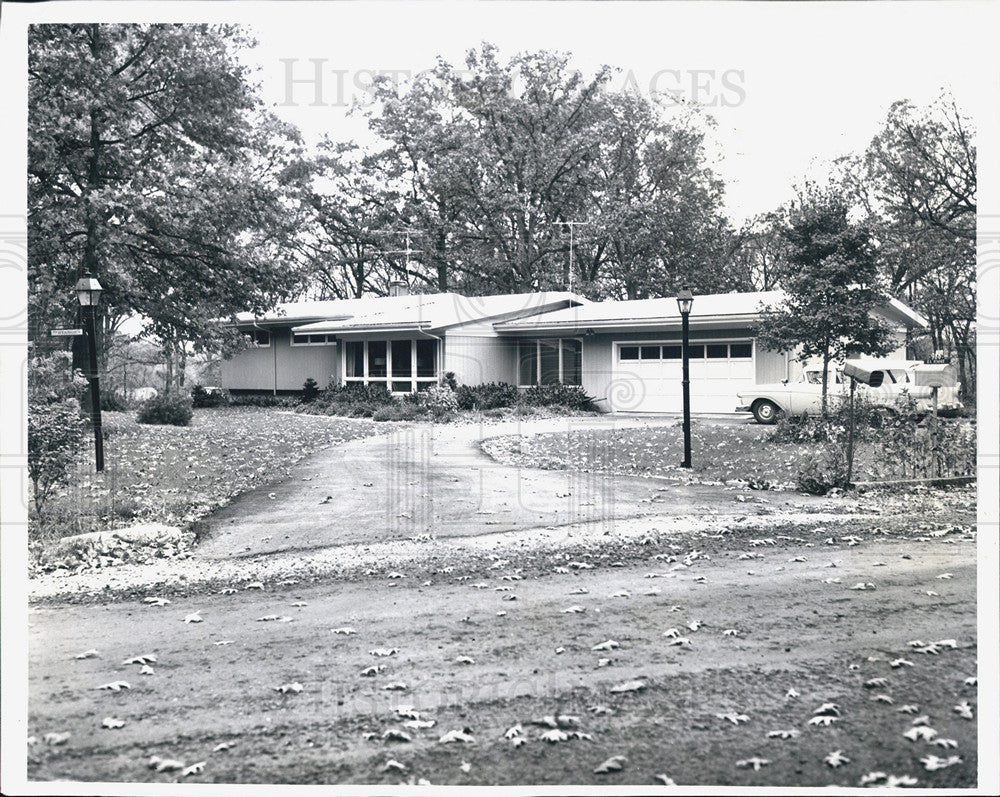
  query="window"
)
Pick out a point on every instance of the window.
point(354, 365)
point(672, 352)
point(377, 360)
point(300, 339)
point(403, 366)
point(259, 338)
point(550, 362)
point(572, 361)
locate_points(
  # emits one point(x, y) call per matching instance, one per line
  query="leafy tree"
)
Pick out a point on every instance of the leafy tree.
point(831, 283)
point(489, 162)
point(152, 165)
point(917, 184)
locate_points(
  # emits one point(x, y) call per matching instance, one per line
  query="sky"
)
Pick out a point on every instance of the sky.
point(790, 89)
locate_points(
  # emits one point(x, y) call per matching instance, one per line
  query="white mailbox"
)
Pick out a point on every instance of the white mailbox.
point(934, 375)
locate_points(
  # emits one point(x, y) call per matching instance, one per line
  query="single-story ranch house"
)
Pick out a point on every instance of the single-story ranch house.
point(625, 354)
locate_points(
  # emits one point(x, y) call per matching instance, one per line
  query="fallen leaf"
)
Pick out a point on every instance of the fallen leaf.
point(609, 645)
point(836, 759)
point(115, 686)
point(628, 686)
point(457, 736)
point(56, 738)
point(112, 722)
point(293, 688)
point(194, 769)
point(395, 735)
point(194, 617)
point(148, 658)
point(87, 654)
point(613, 764)
point(156, 601)
point(754, 762)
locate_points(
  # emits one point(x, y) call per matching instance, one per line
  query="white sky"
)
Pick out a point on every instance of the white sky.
point(804, 85)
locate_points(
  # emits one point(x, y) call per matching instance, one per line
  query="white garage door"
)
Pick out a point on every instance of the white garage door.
point(648, 375)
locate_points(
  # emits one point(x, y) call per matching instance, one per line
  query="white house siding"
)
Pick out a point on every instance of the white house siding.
point(281, 366)
point(475, 360)
point(251, 369)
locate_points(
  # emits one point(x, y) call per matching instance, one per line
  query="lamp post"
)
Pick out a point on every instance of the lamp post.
point(684, 301)
point(88, 293)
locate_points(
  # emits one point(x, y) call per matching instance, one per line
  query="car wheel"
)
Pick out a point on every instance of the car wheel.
point(765, 411)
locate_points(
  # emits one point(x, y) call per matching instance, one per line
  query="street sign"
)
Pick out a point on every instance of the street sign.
point(66, 333)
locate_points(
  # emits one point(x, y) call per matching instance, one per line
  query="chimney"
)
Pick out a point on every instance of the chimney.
point(398, 288)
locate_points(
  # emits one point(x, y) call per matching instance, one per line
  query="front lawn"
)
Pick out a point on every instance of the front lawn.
point(720, 453)
point(176, 474)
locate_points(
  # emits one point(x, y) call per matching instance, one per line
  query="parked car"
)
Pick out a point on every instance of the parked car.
point(805, 396)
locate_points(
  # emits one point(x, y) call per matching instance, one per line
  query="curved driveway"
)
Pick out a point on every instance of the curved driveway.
point(425, 479)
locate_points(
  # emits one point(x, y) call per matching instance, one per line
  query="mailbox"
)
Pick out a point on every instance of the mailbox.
point(935, 375)
point(865, 375)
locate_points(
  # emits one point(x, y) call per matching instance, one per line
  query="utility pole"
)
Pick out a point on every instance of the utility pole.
point(572, 225)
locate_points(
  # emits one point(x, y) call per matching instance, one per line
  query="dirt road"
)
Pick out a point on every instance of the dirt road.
point(774, 630)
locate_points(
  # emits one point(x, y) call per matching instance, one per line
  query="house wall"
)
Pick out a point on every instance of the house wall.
point(476, 360)
point(280, 366)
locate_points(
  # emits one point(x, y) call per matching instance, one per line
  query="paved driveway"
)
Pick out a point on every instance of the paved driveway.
point(434, 479)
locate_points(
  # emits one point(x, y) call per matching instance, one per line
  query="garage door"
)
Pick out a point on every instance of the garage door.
point(648, 375)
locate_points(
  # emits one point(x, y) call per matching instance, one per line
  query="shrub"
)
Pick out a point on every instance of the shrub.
point(440, 400)
point(51, 379)
point(356, 393)
point(55, 432)
point(202, 398)
point(262, 400)
point(310, 390)
point(569, 396)
point(450, 381)
point(486, 396)
point(401, 411)
point(828, 469)
point(112, 401)
point(172, 409)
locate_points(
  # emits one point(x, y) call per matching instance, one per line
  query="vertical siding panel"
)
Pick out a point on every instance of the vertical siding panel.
point(476, 360)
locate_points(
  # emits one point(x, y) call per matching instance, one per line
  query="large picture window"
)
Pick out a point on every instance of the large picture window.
point(404, 366)
point(550, 361)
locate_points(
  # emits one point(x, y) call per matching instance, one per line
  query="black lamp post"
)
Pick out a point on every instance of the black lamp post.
point(684, 302)
point(88, 292)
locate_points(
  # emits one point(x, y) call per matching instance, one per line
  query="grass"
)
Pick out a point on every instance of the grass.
point(720, 453)
point(175, 475)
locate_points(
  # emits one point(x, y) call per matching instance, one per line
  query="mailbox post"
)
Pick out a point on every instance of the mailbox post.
point(872, 378)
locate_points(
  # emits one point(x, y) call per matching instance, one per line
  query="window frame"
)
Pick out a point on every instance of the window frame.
point(416, 382)
point(329, 339)
point(703, 342)
point(538, 360)
point(251, 335)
